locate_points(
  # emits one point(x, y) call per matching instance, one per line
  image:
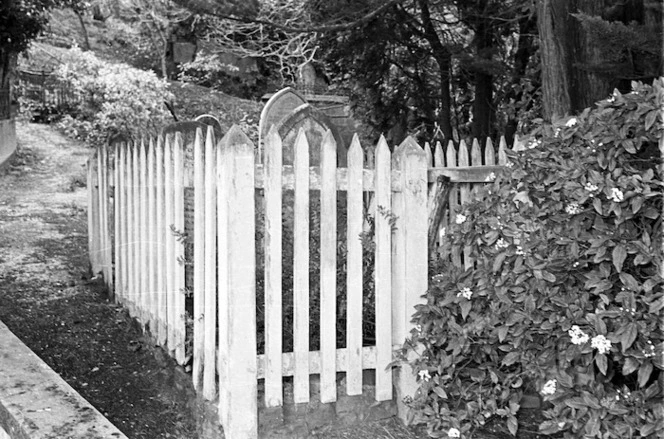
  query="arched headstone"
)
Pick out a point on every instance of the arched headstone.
point(280, 105)
point(213, 122)
point(315, 124)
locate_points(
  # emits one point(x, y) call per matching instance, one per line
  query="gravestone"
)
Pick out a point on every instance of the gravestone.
point(280, 105)
point(213, 122)
point(315, 125)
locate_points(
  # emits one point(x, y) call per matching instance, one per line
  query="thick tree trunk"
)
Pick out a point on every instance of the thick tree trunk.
point(445, 115)
point(86, 37)
point(7, 67)
point(483, 110)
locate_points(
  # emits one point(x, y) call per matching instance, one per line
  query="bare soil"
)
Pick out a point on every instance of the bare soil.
point(48, 299)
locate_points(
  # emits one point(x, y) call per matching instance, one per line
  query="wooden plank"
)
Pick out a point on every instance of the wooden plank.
point(129, 222)
point(223, 286)
point(243, 386)
point(92, 212)
point(169, 193)
point(209, 262)
point(121, 199)
point(368, 358)
point(272, 159)
point(134, 309)
point(178, 221)
point(151, 238)
point(118, 211)
point(301, 270)
point(354, 281)
point(502, 156)
point(383, 273)
point(328, 269)
point(199, 264)
point(428, 154)
point(465, 195)
point(453, 204)
point(108, 238)
point(489, 153)
point(143, 224)
point(439, 156)
point(411, 239)
point(160, 199)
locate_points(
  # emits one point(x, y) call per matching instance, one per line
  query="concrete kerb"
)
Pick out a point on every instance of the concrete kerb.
point(36, 403)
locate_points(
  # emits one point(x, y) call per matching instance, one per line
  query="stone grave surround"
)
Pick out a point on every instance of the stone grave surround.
point(288, 111)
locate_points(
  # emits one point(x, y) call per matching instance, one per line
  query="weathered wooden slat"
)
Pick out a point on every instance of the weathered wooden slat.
point(208, 261)
point(383, 272)
point(439, 156)
point(144, 230)
point(169, 238)
point(223, 285)
point(368, 357)
point(328, 269)
point(301, 270)
point(272, 158)
point(453, 204)
point(465, 195)
point(151, 238)
point(502, 156)
point(121, 191)
point(117, 234)
point(489, 153)
point(178, 222)
point(160, 199)
point(198, 344)
point(354, 285)
point(134, 308)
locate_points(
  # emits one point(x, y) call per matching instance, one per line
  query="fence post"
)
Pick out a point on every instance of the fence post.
point(93, 214)
point(238, 409)
point(410, 255)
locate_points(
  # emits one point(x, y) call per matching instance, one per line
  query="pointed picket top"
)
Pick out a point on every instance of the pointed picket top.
point(428, 154)
point(489, 153)
point(382, 152)
point(198, 140)
point(439, 156)
point(518, 144)
point(271, 144)
point(209, 136)
point(451, 155)
point(301, 146)
point(502, 146)
point(463, 154)
point(236, 138)
point(328, 143)
point(476, 154)
point(409, 147)
point(355, 153)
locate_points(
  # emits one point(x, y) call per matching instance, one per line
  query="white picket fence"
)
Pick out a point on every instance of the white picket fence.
point(136, 198)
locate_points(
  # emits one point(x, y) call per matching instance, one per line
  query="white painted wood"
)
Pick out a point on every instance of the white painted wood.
point(242, 393)
point(328, 269)
point(489, 153)
point(314, 361)
point(354, 281)
point(272, 159)
point(453, 204)
point(178, 221)
point(117, 234)
point(383, 273)
point(465, 196)
point(439, 156)
point(144, 243)
point(151, 292)
point(199, 263)
point(411, 239)
point(162, 300)
point(502, 156)
point(121, 189)
point(135, 309)
point(169, 200)
point(301, 270)
point(210, 271)
point(92, 213)
point(223, 286)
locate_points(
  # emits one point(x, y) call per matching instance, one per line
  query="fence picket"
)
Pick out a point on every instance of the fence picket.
point(169, 200)
point(241, 312)
point(439, 156)
point(116, 221)
point(134, 309)
point(209, 269)
point(354, 282)
point(272, 159)
point(161, 242)
point(93, 229)
point(151, 234)
point(383, 272)
point(489, 153)
point(301, 270)
point(178, 267)
point(199, 267)
point(223, 286)
point(502, 156)
point(143, 224)
point(453, 205)
point(121, 191)
point(464, 194)
point(328, 268)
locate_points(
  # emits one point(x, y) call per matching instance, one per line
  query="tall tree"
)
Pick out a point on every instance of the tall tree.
point(588, 48)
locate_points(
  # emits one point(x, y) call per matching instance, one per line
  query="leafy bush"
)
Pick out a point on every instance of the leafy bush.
point(114, 99)
point(566, 290)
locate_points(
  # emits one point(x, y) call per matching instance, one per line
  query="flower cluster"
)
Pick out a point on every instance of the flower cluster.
point(424, 375)
point(590, 188)
point(573, 209)
point(616, 195)
point(549, 387)
point(466, 293)
point(501, 243)
point(601, 343)
point(460, 218)
point(577, 335)
point(453, 433)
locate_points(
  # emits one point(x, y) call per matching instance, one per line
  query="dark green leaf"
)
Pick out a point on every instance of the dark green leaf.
point(644, 373)
point(440, 392)
point(656, 306)
point(512, 425)
point(631, 364)
point(511, 358)
point(502, 333)
point(600, 361)
point(629, 282)
point(619, 255)
point(650, 118)
point(465, 305)
point(628, 336)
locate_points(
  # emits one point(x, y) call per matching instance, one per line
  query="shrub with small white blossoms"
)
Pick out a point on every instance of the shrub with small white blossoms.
point(571, 307)
point(114, 98)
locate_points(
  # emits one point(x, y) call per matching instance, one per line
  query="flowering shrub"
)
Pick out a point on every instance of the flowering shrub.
point(566, 292)
point(114, 99)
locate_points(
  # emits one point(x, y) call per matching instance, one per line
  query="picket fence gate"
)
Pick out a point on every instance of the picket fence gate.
point(136, 201)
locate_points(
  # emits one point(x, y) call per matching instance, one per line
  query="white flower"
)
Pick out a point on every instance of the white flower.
point(442, 232)
point(453, 432)
point(590, 187)
point(601, 343)
point(573, 208)
point(557, 133)
point(549, 388)
point(418, 328)
point(490, 177)
point(509, 164)
point(571, 122)
point(424, 375)
point(534, 143)
point(519, 250)
point(460, 219)
point(577, 335)
point(466, 292)
point(616, 195)
point(501, 243)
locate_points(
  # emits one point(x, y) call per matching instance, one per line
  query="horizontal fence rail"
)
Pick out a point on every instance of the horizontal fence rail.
point(182, 205)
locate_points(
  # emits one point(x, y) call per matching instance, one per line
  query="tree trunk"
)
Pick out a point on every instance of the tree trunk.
point(86, 37)
point(445, 115)
point(7, 67)
point(483, 103)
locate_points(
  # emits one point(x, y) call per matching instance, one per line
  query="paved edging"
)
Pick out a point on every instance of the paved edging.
point(35, 403)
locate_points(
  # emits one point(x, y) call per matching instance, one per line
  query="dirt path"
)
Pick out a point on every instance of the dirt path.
point(48, 301)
